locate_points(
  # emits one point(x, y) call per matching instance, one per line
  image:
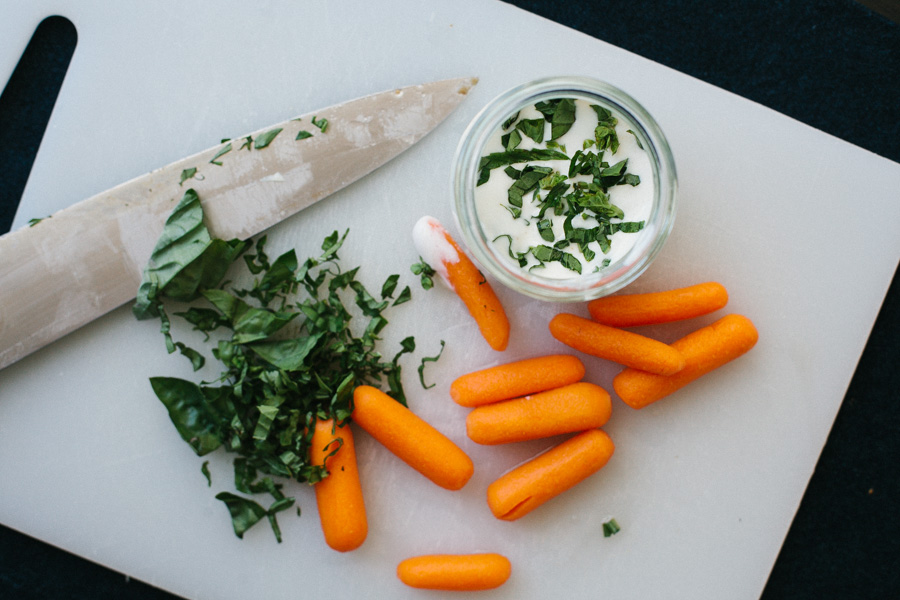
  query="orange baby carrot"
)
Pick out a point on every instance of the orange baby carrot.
point(339, 497)
point(455, 572)
point(515, 379)
point(624, 347)
point(574, 407)
point(704, 350)
point(410, 438)
point(549, 474)
point(630, 310)
point(440, 251)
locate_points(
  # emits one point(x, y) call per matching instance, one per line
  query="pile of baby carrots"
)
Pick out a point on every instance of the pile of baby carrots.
point(524, 400)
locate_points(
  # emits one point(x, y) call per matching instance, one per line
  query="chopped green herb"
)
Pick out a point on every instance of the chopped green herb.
point(611, 528)
point(560, 113)
point(222, 152)
point(510, 157)
point(582, 190)
point(266, 138)
point(403, 297)
point(187, 174)
point(204, 468)
point(426, 273)
point(291, 353)
point(303, 134)
point(636, 139)
point(533, 128)
point(511, 140)
point(322, 124)
point(422, 366)
point(35, 221)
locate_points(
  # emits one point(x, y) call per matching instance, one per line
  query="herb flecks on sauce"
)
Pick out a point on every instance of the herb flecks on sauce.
point(580, 192)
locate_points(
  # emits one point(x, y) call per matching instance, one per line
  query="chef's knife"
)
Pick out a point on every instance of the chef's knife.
point(85, 260)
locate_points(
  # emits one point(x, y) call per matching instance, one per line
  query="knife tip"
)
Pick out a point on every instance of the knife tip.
point(466, 85)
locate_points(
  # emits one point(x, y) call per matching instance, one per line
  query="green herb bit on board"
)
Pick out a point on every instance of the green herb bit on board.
point(285, 345)
point(610, 528)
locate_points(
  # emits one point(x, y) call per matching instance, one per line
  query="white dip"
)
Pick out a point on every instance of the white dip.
point(515, 230)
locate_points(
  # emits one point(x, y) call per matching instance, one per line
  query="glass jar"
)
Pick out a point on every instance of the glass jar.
point(579, 287)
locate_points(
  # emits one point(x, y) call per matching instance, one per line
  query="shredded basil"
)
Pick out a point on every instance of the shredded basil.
point(582, 189)
point(425, 272)
point(264, 139)
point(422, 366)
point(222, 152)
point(610, 528)
point(187, 174)
point(289, 351)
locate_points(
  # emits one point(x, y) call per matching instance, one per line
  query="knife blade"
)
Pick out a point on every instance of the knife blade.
point(87, 259)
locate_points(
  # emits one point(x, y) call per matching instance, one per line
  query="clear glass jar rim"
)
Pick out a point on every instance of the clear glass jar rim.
point(587, 286)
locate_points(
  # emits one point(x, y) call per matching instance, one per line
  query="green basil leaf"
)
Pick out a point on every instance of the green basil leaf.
point(245, 513)
point(193, 417)
point(403, 297)
point(187, 174)
point(264, 139)
point(222, 152)
point(288, 355)
point(533, 128)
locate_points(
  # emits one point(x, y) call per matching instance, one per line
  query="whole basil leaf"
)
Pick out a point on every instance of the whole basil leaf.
point(193, 416)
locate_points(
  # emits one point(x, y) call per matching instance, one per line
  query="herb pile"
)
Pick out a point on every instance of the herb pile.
point(286, 361)
point(582, 191)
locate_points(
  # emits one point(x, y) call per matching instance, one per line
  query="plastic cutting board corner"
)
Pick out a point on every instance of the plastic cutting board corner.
point(704, 484)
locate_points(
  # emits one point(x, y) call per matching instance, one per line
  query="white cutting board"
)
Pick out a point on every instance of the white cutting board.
point(704, 484)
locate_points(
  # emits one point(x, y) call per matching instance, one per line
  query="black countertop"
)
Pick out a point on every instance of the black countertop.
point(832, 64)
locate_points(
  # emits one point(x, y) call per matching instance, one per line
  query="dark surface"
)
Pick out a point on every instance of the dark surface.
point(834, 65)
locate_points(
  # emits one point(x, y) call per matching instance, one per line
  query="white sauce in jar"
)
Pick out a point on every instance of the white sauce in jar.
point(517, 236)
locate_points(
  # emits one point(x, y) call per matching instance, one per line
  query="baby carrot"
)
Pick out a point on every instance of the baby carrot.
point(574, 407)
point(704, 350)
point(410, 438)
point(549, 474)
point(630, 310)
point(455, 572)
point(624, 347)
point(515, 379)
point(440, 251)
point(339, 497)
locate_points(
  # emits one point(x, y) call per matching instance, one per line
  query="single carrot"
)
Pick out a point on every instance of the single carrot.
point(549, 474)
point(515, 379)
point(704, 350)
point(566, 409)
point(339, 497)
point(439, 250)
point(630, 310)
point(455, 572)
point(618, 345)
point(410, 438)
